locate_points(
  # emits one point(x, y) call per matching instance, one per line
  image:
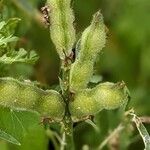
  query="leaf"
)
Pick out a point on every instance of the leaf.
point(7, 28)
point(8, 138)
point(12, 56)
point(2, 23)
point(20, 56)
point(11, 25)
point(3, 145)
point(142, 130)
point(35, 137)
point(15, 124)
point(4, 41)
point(90, 122)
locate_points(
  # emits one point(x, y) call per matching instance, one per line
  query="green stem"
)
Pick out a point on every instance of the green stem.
point(67, 121)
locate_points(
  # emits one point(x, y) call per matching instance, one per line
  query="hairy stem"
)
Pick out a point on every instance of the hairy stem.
point(67, 121)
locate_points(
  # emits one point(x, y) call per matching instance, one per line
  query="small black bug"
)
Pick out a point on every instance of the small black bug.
point(45, 11)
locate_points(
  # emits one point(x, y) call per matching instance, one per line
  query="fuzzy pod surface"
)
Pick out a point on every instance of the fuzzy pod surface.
point(21, 95)
point(103, 96)
point(91, 43)
point(84, 105)
point(61, 26)
point(112, 95)
point(93, 38)
point(78, 79)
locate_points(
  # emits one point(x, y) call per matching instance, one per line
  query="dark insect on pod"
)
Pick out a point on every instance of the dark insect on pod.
point(45, 11)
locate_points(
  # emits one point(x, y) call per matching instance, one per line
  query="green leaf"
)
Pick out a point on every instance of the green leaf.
point(16, 124)
point(3, 145)
point(20, 56)
point(6, 37)
point(7, 28)
point(90, 122)
point(142, 130)
point(36, 138)
point(8, 138)
point(4, 41)
point(2, 23)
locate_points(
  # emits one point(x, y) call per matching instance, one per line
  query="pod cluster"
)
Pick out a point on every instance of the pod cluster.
point(85, 101)
point(22, 95)
point(104, 96)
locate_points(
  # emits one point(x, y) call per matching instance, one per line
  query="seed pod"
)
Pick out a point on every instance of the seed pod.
point(78, 79)
point(103, 96)
point(9, 92)
point(21, 95)
point(84, 105)
point(111, 95)
point(51, 105)
point(93, 39)
point(61, 26)
point(27, 96)
point(91, 43)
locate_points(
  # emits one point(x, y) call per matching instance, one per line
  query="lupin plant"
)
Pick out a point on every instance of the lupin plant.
point(77, 100)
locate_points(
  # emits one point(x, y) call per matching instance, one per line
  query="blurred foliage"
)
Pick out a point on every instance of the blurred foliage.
point(125, 57)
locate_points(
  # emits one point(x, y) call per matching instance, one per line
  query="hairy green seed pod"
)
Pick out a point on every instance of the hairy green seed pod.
point(93, 38)
point(111, 95)
point(61, 26)
point(79, 79)
point(92, 41)
point(26, 96)
point(84, 105)
point(103, 96)
point(22, 95)
point(8, 94)
point(51, 104)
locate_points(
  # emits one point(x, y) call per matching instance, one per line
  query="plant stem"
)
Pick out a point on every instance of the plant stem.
point(112, 135)
point(67, 121)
